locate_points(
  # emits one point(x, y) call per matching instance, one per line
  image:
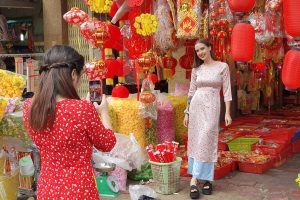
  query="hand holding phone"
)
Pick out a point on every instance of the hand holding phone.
point(95, 90)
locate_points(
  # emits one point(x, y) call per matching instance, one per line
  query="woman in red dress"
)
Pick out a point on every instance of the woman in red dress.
point(65, 128)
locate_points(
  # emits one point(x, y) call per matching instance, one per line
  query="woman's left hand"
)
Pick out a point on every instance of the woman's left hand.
point(228, 119)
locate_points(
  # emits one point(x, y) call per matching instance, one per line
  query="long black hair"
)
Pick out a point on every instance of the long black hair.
point(198, 61)
point(55, 79)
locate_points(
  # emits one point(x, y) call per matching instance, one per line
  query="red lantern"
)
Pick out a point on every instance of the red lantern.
point(291, 69)
point(101, 33)
point(291, 17)
point(147, 60)
point(112, 66)
point(153, 78)
point(186, 62)
point(241, 5)
point(95, 70)
point(242, 42)
point(120, 91)
point(169, 62)
point(75, 16)
point(88, 28)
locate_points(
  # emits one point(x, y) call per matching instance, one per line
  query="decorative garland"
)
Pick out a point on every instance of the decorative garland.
point(146, 24)
point(100, 6)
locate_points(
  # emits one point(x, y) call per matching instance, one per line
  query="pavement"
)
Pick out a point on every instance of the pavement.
point(275, 184)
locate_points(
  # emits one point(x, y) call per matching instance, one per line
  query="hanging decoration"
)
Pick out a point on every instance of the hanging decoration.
point(242, 42)
point(101, 33)
point(146, 61)
point(75, 16)
point(116, 40)
point(291, 17)
point(100, 6)
point(188, 18)
point(112, 66)
point(291, 70)
point(187, 60)
point(145, 24)
point(238, 6)
point(153, 78)
point(169, 64)
point(134, 3)
point(95, 70)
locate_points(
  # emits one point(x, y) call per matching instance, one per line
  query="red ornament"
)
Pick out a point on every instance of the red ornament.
point(137, 45)
point(291, 69)
point(241, 5)
point(213, 32)
point(260, 67)
point(88, 28)
point(291, 17)
point(213, 23)
point(169, 62)
point(101, 33)
point(242, 42)
point(115, 38)
point(213, 15)
point(95, 70)
point(112, 67)
point(222, 11)
point(120, 91)
point(75, 16)
point(147, 97)
point(222, 22)
point(147, 60)
point(222, 34)
point(153, 78)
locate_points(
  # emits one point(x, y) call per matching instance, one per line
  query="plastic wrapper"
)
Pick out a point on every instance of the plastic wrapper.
point(165, 120)
point(9, 186)
point(12, 104)
point(188, 19)
point(13, 125)
point(151, 132)
point(165, 35)
point(127, 153)
point(125, 118)
point(121, 175)
point(11, 84)
point(147, 105)
point(136, 191)
point(179, 105)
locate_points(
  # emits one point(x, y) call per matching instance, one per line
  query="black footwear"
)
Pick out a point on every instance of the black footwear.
point(194, 192)
point(207, 188)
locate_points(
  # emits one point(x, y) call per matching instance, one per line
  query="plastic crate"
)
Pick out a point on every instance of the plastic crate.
point(223, 171)
point(256, 168)
point(242, 144)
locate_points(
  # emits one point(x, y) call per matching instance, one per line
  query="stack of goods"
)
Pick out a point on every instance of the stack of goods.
point(125, 118)
point(165, 121)
point(163, 153)
point(11, 84)
point(179, 105)
point(223, 167)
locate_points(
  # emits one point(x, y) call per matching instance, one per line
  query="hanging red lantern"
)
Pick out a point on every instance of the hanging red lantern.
point(75, 16)
point(95, 70)
point(137, 45)
point(120, 91)
point(241, 5)
point(147, 60)
point(88, 28)
point(186, 62)
point(169, 62)
point(291, 69)
point(291, 17)
point(242, 42)
point(101, 33)
point(153, 78)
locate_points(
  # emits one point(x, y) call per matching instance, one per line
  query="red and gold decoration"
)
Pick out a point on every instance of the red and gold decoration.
point(101, 33)
point(188, 18)
point(291, 70)
point(145, 24)
point(116, 40)
point(147, 61)
point(120, 91)
point(134, 3)
point(95, 70)
point(112, 66)
point(75, 16)
point(169, 64)
point(243, 42)
point(187, 60)
point(153, 78)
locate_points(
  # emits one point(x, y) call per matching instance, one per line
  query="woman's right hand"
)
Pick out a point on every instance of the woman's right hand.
point(186, 120)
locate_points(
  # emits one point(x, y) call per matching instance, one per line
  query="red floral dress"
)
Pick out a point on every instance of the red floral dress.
point(66, 151)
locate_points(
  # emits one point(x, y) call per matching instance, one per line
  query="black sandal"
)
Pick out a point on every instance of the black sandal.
point(207, 188)
point(194, 192)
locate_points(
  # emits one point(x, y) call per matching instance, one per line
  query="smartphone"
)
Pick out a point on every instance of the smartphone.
point(95, 89)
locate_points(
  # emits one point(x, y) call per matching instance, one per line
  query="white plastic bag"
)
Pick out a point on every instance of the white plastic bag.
point(136, 191)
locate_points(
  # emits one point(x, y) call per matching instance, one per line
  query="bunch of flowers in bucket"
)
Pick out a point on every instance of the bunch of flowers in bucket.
point(163, 153)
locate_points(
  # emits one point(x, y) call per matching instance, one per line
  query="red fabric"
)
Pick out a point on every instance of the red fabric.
point(66, 151)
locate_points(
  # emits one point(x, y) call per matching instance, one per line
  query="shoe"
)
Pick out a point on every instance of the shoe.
point(194, 192)
point(207, 188)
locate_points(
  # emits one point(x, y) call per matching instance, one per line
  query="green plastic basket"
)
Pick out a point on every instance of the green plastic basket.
point(166, 176)
point(242, 144)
